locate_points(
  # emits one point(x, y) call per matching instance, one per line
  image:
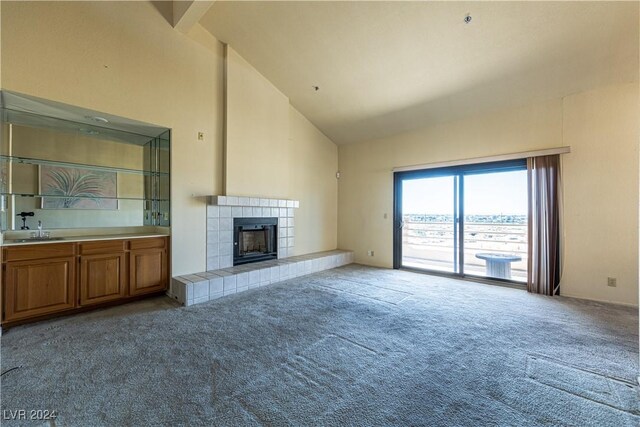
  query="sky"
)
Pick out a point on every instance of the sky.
point(485, 194)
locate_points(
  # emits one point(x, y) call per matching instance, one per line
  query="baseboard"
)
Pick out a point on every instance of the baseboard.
point(598, 300)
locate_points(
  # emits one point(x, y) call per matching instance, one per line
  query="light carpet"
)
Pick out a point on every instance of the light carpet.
point(351, 346)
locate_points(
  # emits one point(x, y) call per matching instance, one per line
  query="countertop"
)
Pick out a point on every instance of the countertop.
point(71, 239)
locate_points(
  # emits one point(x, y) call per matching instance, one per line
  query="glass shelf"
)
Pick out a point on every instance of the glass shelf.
point(29, 161)
point(52, 196)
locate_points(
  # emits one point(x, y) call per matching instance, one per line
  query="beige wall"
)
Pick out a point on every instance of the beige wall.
point(366, 180)
point(314, 163)
point(274, 151)
point(257, 141)
point(124, 58)
point(601, 194)
point(600, 175)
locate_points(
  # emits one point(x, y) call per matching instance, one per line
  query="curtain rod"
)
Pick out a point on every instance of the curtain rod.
point(511, 156)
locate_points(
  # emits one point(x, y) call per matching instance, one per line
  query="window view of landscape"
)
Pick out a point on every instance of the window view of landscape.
point(495, 225)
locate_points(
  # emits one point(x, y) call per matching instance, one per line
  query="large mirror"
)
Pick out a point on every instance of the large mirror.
point(82, 170)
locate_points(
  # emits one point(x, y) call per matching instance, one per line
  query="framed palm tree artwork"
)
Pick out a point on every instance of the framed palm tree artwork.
point(76, 188)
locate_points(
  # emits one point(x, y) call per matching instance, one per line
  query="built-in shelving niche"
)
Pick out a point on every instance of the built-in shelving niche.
point(78, 168)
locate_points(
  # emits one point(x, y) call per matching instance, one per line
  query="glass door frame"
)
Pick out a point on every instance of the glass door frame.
point(459, 172)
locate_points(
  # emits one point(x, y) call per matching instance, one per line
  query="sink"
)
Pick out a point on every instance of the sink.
point(34, 239)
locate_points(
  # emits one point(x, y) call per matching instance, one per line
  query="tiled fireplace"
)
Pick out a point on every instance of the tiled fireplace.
point(222, 277)
point(221, 212)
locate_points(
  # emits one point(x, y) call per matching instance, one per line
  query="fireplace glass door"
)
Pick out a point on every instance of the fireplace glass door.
point(254, 242)
point(254, 239)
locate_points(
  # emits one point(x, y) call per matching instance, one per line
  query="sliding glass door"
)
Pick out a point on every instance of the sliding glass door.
point(495, 225)
point(429, 232)
point(468, 220)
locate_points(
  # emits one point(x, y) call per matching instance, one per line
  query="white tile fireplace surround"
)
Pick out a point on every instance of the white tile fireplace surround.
point(222, 210)
point(222, 278)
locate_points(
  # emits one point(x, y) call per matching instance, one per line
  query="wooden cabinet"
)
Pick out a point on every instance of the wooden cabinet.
point(103, 271)
point(39, 281)
point(148, 266)
point(102, 278)
point(148, 271)
point(44, 279)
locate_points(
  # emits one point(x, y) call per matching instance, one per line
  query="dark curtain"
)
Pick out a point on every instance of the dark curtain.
point(545, 204)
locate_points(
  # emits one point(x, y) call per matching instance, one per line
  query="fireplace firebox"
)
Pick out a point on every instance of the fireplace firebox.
point(254, 239)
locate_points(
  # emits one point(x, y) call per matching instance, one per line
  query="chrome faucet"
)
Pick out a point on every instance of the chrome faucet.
point(39, 229)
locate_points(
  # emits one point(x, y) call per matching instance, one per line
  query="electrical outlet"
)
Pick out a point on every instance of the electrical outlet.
point(200, 136)
point(370, 253)
point(612, 282)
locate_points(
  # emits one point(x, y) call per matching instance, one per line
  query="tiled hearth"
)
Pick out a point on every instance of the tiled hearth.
point(209, 285)
point(222, 278)
point(221, 211)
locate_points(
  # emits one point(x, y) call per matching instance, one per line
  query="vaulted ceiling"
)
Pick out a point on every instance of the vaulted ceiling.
point(387, 67)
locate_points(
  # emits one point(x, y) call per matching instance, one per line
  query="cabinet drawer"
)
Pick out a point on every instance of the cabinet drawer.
point(41, 251)
point(102, 247)
point(148, 243)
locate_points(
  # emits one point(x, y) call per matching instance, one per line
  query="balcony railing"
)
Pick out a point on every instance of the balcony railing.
point(430, 244)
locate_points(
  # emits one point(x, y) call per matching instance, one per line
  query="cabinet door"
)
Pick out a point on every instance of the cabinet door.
point(147, 271)
point(37, 287)
point(102, 278)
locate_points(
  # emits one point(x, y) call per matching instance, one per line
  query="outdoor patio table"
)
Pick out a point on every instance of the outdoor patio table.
point(498, 265)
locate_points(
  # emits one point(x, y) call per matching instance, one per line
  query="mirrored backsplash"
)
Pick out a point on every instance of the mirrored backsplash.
point(69, 174)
